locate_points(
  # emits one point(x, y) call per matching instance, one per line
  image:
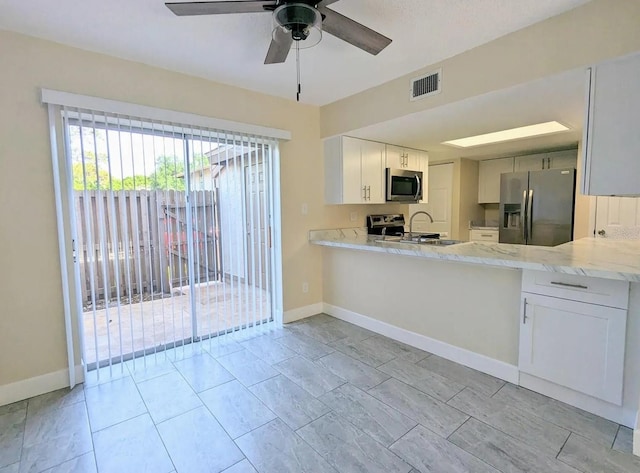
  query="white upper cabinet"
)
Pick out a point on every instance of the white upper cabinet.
point(489, 170)
point(551, 160)
point(403, 158)
point(489, 179)
point(531, 162)
point(354, 171)
point(611, 142)
point(563, 159)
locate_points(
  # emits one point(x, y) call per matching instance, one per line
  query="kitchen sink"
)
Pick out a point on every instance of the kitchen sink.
point(419, 240)
point(431, 241)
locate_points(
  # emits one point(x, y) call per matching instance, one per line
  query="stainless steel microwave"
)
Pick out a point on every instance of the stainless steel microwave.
point(404, 185)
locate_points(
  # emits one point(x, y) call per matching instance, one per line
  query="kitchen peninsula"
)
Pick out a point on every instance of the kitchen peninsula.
point(489, 306)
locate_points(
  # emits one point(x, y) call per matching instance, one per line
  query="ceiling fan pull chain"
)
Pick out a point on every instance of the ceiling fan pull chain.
point(298, 70)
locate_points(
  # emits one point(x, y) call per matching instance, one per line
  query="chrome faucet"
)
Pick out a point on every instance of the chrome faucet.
point(411, 221)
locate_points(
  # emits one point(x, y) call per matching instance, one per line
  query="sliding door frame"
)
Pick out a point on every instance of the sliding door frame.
point(65, 213)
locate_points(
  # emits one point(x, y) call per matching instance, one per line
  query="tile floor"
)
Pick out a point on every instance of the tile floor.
point(316, 396)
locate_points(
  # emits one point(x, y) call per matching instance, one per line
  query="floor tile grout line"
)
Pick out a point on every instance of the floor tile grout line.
point(534, 413)
point(155, 426)
point(482, 460)
point(563, 444)
point(458, 428)
point(535, 449)
point(615, 437)
point(568, 464)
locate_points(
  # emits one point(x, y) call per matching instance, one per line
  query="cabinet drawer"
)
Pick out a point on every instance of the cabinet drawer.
point(484, 235)
point(606, 292)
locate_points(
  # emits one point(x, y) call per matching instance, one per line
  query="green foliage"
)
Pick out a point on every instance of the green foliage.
point(168, 174)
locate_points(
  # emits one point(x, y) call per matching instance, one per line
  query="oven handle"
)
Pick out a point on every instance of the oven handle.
point(419, 187)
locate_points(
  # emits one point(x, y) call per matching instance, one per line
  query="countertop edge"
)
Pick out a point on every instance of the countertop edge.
point(448, 254)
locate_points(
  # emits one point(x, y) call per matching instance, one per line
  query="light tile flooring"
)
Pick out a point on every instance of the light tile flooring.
point(316, 396)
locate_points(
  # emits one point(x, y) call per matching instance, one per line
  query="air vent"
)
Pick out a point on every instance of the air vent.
point(426, 85)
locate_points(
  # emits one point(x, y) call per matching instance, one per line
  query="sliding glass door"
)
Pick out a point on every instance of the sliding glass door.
point(171, 234)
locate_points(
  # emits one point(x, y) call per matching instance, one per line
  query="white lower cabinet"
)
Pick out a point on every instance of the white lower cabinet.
point(574, 344)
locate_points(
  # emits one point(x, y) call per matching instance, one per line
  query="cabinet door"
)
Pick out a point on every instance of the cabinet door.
point(352, 186)
point(612, 142)
point(563, 159)
point(412, 159)
point(573, 344)
point(531, 162)
point(373, 163)
point(394, 157)
point(489, 179)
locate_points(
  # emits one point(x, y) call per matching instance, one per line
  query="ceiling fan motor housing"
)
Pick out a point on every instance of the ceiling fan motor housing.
point(298, 18)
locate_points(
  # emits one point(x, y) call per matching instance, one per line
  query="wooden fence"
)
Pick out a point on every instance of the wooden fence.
point(135, 242)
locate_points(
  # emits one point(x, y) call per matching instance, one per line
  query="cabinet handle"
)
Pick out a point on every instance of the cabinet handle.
point(368, 192)
point(364, 192)
point(524, 312)
point(548, 163)
point(489, 235)
point(566, 284)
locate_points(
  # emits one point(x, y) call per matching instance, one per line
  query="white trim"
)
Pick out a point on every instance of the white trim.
point(617, 414)
point(62, 243)
point(45, 383)
point(303, 312)
point(56, 97)
point(277, 282)
point(636, 442)
point(479, 362)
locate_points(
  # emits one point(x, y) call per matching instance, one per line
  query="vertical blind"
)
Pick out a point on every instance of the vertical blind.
point(171, 234)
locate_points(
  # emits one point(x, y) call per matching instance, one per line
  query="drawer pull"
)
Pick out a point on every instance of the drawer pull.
point(566, 284)
point(488, 235)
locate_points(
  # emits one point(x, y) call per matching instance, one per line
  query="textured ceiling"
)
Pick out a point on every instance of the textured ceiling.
point(231, 48)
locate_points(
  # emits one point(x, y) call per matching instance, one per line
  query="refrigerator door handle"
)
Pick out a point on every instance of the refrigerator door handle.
point(530, 215)
point(523, 218)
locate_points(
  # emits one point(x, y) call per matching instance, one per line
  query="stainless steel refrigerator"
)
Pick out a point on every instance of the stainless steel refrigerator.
point(536, 207)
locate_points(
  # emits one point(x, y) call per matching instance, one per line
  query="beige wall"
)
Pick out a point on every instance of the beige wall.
point(469, 306)
point(32, 337)
point(599, 30)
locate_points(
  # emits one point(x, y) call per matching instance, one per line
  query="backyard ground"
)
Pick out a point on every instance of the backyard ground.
point(126, 328)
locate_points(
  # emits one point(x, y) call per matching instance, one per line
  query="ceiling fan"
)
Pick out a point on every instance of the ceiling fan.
point(295, 19)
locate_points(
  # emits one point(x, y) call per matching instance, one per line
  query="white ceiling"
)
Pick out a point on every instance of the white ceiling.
point(559, 97)
point(231, 48)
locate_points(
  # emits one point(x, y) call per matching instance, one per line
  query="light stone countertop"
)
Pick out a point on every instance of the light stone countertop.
point(601, 258)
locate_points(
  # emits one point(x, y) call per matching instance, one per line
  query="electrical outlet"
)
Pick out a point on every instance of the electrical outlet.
point(305, 209)
point(353, 216)
point(305, 287)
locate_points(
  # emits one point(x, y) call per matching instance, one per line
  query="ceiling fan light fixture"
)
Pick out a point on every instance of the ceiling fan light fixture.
point(301, 21)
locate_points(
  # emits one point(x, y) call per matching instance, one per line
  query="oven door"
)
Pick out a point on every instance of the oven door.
point(404, 186)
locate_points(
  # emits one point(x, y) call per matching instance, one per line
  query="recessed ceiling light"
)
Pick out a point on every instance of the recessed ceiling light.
point(508, 135)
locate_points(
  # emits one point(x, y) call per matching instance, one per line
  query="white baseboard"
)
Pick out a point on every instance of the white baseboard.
point(487, 365)
point(636, 442)
point(20, 390)
point(617, 414)
point(302, 312)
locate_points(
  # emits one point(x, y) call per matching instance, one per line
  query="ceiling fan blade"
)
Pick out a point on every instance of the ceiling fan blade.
point(352, 32)
point(279, 47)
point(219, 8)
